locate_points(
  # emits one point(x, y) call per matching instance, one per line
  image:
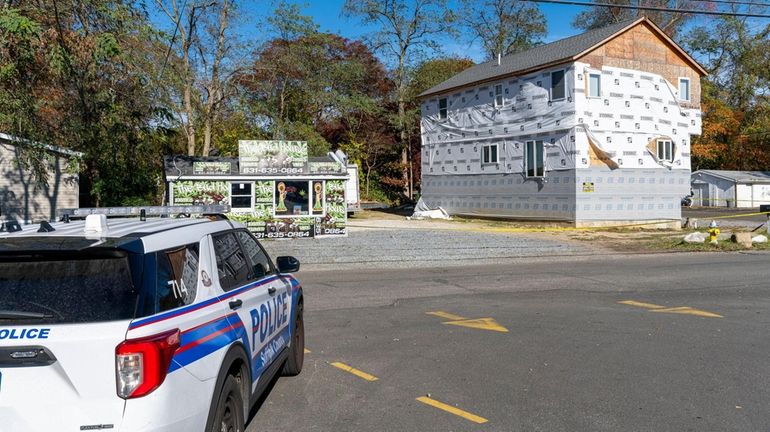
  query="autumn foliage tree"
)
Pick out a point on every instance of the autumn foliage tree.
point(70, 76)
point(318, 80)
point(669, 20)
point(736, 108)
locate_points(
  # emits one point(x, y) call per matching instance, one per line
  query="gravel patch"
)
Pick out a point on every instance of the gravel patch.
point(419, 245)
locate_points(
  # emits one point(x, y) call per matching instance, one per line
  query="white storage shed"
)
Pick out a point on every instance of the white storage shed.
point(717, 188)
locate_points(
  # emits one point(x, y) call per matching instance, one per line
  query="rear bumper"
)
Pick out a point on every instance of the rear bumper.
point(181, 403)
point(47, 419)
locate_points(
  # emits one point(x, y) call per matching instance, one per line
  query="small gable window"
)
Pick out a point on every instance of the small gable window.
point(442, 108)
point(595, 85)
point(684, 89)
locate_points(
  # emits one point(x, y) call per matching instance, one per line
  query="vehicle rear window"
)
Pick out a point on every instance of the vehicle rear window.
point(66, 290)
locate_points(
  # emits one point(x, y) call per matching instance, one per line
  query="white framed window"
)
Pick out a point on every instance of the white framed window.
point(594, 85)
point(498, 95)
point(684, 89)
point(489, 154)
point(241, 196)
point(558, 89)
point(665, 150)
point(535, 166)
point(442, 108)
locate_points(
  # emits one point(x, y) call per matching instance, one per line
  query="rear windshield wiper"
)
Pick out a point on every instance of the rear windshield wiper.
point(22, 315)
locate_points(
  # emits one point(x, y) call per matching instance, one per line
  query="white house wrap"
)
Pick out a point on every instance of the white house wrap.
point(561, 132)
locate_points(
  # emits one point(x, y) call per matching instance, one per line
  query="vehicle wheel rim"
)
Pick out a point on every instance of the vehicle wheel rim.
point(229, 416)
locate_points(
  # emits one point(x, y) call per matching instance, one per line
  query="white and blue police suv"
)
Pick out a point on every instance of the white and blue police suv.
point(141, 324)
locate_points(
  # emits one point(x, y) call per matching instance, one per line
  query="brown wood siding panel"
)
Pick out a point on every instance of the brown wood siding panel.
point(641, 49)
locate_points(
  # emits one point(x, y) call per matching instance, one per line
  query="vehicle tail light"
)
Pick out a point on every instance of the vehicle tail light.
point(142, 364)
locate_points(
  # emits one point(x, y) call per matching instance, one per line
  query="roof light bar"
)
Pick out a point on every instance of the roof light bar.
point(148, 211)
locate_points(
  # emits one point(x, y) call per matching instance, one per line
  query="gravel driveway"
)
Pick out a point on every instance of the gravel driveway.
point(405, 244)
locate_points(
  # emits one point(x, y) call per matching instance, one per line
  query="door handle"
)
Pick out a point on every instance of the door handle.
point(236, 304)
point(271, 290)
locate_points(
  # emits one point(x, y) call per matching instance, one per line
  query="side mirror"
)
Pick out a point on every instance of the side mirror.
point(287, 264)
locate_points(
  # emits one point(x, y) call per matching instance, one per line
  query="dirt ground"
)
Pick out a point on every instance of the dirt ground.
point(626, 239)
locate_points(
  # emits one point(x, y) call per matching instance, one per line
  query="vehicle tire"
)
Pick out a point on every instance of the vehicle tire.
point(229, 416)
point(293, 365)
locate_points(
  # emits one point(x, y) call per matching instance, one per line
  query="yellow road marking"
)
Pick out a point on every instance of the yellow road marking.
point(734, 216)
point(307, 351)
point(446, 315)
point(450, 409)
point(354, 371)
point(641, 304)
point(480, 323)
point(682, 310)
point(686, 310)
point(477, 323)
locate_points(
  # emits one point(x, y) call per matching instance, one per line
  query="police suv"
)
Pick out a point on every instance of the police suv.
point(141, 324)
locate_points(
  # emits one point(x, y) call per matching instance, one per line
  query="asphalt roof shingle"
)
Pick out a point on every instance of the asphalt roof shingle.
point(553, 52)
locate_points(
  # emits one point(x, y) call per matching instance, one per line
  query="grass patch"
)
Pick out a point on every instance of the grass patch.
point(658, 241)
point(675, 242)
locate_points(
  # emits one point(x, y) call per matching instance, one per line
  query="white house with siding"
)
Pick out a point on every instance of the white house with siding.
point(20, 197)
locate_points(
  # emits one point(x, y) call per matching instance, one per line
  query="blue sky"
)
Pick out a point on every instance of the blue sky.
point(251, 23)
point(327, 14)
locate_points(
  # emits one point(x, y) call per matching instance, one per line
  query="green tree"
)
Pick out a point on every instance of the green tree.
point(503, 26)
point(736, 106)
point(76, 80)
point(20, 42)
point(426, 75)
point(404, 31)
point(670, 22)
point(319, 87)
point(201, 77)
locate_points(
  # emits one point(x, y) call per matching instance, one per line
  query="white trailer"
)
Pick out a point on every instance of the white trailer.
point(352, 191)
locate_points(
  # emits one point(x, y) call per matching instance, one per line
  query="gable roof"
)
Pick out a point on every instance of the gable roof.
point(13, 140)
point(738, 176)
point(554, 53)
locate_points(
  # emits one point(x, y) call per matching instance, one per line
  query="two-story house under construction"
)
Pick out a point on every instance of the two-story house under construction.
point(594, 129)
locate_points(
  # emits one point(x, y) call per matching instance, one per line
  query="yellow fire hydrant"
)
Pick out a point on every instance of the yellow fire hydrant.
point(713, 232)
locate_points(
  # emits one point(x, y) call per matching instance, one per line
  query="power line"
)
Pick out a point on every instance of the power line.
point(652, 8)
point(750, 3)
point(171, 43)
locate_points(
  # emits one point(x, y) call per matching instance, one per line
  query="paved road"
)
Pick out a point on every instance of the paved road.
point(573, 359)
point(705, 214)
